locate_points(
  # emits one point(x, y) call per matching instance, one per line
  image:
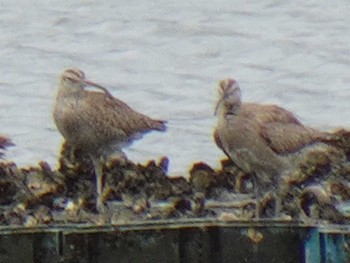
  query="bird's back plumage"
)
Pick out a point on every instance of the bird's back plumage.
point(281, 130)
point(96, 117)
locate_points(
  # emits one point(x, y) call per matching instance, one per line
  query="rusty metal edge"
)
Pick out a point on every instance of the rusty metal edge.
point(170, 224)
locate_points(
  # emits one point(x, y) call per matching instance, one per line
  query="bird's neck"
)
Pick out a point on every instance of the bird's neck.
point(228, 110)
point(232, 109)
point(66, 92)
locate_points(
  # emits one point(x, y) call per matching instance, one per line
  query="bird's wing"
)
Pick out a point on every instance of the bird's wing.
point(281, 130)
point(115, 116)
point(284, 138)
point(218, 142)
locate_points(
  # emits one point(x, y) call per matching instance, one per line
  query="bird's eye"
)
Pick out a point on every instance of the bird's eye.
point(69, 79)
point(80, 75)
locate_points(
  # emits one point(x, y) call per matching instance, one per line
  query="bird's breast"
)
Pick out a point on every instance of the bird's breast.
point(66, 111)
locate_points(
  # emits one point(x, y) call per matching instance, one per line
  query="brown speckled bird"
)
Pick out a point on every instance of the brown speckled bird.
point(263, 140)
point(4, 143)
point(96, 122)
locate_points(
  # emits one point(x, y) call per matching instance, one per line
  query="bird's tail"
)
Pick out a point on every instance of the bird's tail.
point(4, 143)
point(339, 138)
point(159, 125)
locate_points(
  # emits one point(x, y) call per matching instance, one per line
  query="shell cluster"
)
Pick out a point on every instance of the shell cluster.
point(318, 191)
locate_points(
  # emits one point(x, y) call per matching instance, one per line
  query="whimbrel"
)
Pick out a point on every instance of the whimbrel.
point(4, 143)
point(96, 122)
point(261, 139)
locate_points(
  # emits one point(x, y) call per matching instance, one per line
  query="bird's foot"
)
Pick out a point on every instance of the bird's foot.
point(100, 207)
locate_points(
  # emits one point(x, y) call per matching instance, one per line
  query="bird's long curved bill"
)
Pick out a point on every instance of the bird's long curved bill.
point(217, 106)
point(93, 84)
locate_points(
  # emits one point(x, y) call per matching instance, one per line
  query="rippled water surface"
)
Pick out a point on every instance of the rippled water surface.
point(164, 58)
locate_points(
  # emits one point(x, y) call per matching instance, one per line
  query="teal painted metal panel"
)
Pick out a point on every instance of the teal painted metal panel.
point(332, 248)
point(312, 246)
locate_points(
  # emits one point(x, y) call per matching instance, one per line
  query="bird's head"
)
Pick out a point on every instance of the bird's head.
point(229, 96)
point(73, 80)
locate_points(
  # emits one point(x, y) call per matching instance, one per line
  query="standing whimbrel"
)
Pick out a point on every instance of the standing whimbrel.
point(4, 143)
point(96, 122)
point(261, 139)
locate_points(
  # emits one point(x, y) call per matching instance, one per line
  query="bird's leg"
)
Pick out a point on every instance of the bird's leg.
point(278, 203)
point(98, 162)
point(282, 188)
point(257, 196)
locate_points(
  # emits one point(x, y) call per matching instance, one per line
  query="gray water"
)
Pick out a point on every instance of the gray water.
point(164, 58)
